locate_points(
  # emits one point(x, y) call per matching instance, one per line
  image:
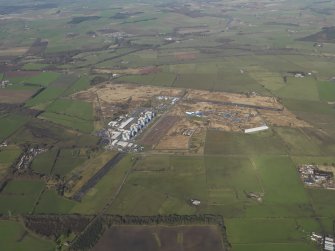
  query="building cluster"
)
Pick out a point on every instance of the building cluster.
point(3, 144)
point(195, 114)
point(327, 243)
point(123, 130)
point(28, 157)
point(256, 129)
point(195, 202)
point(5, 83)
point(311, 175)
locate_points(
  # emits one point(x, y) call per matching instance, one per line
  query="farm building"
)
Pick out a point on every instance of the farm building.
point(329, 244)
point(256, 129)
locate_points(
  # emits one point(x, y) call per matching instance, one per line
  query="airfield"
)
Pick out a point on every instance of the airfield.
point(129, 121)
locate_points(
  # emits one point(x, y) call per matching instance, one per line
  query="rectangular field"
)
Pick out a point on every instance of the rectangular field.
point(10, 96)
point(161, 238)
point(14, 236)
point(159, 130)
point(9, 124)
point(218, 142)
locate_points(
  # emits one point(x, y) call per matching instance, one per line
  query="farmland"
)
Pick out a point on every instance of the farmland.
point(132, 120)
point(160, 238)
point(16, 237)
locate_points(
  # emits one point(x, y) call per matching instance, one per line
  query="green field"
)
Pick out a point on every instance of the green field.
point(10, 123)
point(14, 237)
point(67, 160)
point(300, 143)
point(237, 143)
point(52, 203)
point(85, 126)
point(51, 50)
point(73, 108)
point(44, 162)
point(107, 186)
point(7, 157)
point(81, 84)
point(46, 96)
point(56, 86)
point(20, 196)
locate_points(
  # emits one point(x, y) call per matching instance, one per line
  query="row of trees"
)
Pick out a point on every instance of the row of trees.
point(54, 226)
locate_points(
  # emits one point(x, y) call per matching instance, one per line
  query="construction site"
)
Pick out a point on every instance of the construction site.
point(317, 176)
point(177, 119)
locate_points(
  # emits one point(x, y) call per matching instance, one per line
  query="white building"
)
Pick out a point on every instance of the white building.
point(256, 129)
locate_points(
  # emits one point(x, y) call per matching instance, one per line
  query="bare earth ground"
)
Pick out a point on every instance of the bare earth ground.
point(186, 55)
point(13, 51)
point(174, 131)
point(159, 130)
point(14, 96)
point(13, 74)
point(234, 98)
point(160, 238)
point(128, 71)
point(118, 93)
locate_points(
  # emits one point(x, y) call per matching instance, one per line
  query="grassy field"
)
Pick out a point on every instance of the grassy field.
point(160, 191)
point(20, 196)
point(52, 203)
point(7, 156)
point(14, 237)
point(75, 123)
point(232, 46)
point(55, 88)
point(43, 79)
point(81, 84)
point(265, 234)
point(106, 187)
point(73, 108)
point(299, 88)
point(67, 160)
point(10, 123)
point(237, 143)
point(326, 91)
point(38, 131)
point(34, 66)
point(44, 162)
point(45, 97)
point(298, 142)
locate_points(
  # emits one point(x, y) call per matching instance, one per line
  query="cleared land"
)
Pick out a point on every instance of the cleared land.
point(188, 238)
point(15, 96)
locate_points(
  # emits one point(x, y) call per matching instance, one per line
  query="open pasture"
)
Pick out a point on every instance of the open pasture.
point(153, 188)
point(73, 108)
point(7, 156)
point(97, 197)
point(52, 203)
point(14, 237)
point(67, 160)
point(43, 163)
point(218, 142)
point(10, 123)
point(20, 196)
point(75, 123)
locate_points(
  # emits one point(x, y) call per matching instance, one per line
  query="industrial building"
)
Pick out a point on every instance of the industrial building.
point(124, 129)
point(256, 129)
point(329, 244)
